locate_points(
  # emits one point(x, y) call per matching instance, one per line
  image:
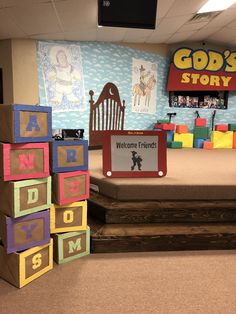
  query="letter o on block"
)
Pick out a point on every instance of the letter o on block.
point(68, 216)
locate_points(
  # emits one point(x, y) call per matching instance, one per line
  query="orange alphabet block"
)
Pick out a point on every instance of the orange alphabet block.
point(181, 128)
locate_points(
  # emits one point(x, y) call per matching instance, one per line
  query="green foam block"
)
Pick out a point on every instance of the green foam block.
point(201, 132)
point(232, 127)
point(174, 144)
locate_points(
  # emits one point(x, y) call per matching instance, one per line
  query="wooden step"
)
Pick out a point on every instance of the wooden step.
point(114, 238)
point(110, 210)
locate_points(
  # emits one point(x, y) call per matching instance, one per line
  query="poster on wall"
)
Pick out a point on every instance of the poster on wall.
point(62, 74)
point(144, 81)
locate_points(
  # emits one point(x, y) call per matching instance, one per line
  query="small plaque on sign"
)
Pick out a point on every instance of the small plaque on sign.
point(134, 154)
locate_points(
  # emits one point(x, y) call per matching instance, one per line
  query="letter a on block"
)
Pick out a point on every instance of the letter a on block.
point(71, 155)
point(33, 124)
point(74, 186)
point(33, 196)
point(74, 245)
point(26, 161)
point(36, 261)
point(29, 230)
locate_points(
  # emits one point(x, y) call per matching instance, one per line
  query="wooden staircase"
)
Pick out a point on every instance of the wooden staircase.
point(160, 225)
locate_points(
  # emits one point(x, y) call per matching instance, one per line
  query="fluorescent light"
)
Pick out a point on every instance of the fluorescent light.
point(216, 5)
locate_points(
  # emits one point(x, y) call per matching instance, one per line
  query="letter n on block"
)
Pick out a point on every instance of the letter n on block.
point(70, 187)
point(70, 246)
point(24, 161)
point(19, 269)
point(22, 233)
point(67, 218)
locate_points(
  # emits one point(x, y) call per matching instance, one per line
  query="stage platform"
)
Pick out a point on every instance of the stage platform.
point(193, 207)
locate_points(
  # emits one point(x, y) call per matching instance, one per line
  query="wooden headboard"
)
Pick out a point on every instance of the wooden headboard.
point(107, 113)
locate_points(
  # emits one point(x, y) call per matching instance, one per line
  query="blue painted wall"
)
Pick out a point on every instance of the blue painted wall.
point(105, 62)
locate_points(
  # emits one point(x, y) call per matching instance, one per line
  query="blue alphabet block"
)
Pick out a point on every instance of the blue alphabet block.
point(25, 123)
point(198, 143)
point(69, 155)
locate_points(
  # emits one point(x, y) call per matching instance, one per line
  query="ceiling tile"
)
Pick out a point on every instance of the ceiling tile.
point(223, 35)
point(134, 35)
point(110, 33)
point(16, 3)
point(163, 7)
point(89, 35)
point(180, 37)
point(74, 13)
point(8, 29)
point(158, 38)
point(203, 33)
point(181, 7)
point(51, 36)
point(36, 19)
point(171, 25)
point(232, 24)
point(223, 18)
point(192, 26)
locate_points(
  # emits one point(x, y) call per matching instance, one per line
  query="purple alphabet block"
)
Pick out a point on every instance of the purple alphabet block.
point(22, 233)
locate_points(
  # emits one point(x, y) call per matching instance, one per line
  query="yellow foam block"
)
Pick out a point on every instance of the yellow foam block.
point(185, 138)
point(222, 139)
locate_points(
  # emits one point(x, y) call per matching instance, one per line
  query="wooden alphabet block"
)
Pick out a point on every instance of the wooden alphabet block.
point(222, 139)
point(20, 269)
point(70, 246)
point(24, 161)
point(22, 233)
point(20, 198)
point(70, 187)
point(25, 123)
point(69, 155)
point(67, 218)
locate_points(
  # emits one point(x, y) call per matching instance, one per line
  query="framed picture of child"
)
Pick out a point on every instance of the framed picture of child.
point(134, 154)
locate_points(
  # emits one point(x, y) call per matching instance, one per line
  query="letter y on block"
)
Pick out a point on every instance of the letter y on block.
point(29, 230)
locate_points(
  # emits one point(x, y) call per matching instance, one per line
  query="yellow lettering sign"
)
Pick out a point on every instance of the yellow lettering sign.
point(204, 79)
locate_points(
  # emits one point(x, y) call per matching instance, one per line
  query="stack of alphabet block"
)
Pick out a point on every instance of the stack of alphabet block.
point(25, 193)
point(70, 183)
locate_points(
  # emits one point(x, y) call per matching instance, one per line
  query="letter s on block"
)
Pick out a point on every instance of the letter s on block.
point(36, 261)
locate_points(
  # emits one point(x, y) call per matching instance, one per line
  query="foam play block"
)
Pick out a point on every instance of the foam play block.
point(234, 139)
point(70, 246)
point(69, 155)
point(198, 143)
point(201, 132)
point(185, 138)
point(181, 128)
point(20, 198)
point(222, 139)
point(200, 122)
point(174, 144)
point(170, 135)
point(232, 126)
point(221, 127)
point(168, 126)
point(21, 268)
point(163, 121)
point(69, 187)
point(67, 218)
point(25, 123)
point(24, 161)
point(18, 234)
point(208, 145)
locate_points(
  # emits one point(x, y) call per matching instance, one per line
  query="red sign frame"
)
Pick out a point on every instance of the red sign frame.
point(161, 166)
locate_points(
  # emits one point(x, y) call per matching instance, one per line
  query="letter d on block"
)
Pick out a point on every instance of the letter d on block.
point(33, 196)
point(26, 161)
point(36, 261)
point(74, 246)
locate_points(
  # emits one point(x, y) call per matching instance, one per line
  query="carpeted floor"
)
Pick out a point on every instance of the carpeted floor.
point(166, 283)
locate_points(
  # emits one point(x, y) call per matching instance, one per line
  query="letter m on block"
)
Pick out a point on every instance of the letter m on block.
point(26, 161)
point(74, 246)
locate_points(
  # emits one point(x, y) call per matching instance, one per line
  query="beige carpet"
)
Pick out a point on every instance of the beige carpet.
point(166, 283)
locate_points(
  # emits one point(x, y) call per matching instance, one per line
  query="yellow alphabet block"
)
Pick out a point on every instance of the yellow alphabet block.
point(185, 138)
point(222, 139)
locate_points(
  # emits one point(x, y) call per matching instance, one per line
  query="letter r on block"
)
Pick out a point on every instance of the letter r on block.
point(26, 161)
point(74, 246)
point(71, 155)
point(33, 124)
